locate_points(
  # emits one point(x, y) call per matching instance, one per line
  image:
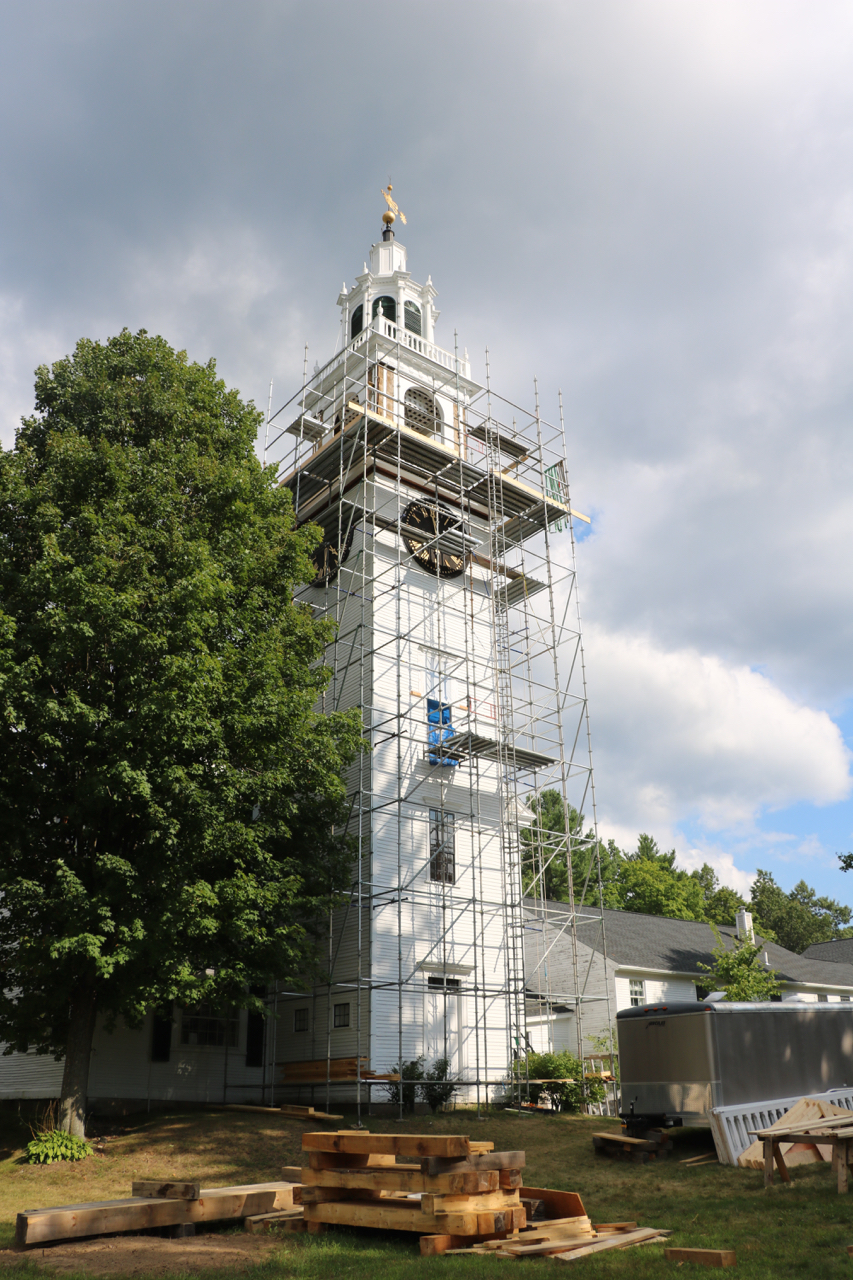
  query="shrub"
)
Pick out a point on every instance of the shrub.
point(569, 1096)
point(437, 1089)
point(407, 1071)
point(50, 1145)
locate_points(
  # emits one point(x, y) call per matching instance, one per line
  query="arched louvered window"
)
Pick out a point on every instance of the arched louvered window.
point(421, 412)
point(389, 308)
point(412, 316)
point(356, 324)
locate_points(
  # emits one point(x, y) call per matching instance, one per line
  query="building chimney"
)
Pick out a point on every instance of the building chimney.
point(743, 921)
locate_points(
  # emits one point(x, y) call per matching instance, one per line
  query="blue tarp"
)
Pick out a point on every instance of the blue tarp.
point(440, 729)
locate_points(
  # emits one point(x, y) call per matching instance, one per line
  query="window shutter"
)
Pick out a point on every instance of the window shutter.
point(161, 1035)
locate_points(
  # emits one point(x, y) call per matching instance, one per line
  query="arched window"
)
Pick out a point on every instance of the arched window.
point(412, 315)
point(389, 308)
point(421, 412)
point(357, 322)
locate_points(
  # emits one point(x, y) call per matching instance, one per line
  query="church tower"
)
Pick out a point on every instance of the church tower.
point(447, 564)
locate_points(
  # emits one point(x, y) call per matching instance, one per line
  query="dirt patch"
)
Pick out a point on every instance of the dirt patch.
point(146, 1255)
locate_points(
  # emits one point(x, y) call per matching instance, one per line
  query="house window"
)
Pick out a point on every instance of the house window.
point(412, 317)
point(637, 992)
point(845, 999)
point(389, 308)
point(341, 1015)
point(442, 846)
point(210, 1026)
point(300, 1020)
point(822, 997)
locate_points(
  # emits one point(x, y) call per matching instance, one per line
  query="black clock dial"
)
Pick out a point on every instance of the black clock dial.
point(432, 519)
point(328, 558)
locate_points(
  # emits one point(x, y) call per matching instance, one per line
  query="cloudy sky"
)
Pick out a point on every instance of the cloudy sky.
point(646, 203)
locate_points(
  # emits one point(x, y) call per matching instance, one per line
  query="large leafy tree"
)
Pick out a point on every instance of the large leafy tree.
point(799, 918)
point(171, 802)
point(650, 882)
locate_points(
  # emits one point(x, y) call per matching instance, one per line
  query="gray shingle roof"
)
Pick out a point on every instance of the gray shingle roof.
point(679, 946)
point(838, 952)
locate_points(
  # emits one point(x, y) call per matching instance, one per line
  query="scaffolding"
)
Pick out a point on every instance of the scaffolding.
point(447, 564)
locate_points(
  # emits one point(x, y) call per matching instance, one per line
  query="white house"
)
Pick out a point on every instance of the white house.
point(627, 958)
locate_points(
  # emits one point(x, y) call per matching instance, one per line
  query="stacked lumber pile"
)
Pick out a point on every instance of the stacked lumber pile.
point(450, 1186)
point(459, 1195)
point(336, 1070)
point(808, 1113)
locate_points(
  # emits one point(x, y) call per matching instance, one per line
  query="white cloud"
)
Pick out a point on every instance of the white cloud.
point(681, 734)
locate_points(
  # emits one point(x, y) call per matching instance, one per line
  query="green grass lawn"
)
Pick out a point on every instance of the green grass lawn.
point(797, 1230)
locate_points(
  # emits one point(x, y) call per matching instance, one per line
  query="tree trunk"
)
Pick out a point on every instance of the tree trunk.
point(75, 1076)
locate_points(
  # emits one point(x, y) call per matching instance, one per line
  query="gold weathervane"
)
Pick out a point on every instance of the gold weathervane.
point(392, 211)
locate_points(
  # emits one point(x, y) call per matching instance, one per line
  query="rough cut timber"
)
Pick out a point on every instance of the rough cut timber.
point(71, 1221)
point(407, 1215)
point(166, 1190)
point(646, 1235)
point(477, 1160)
point(286, 1219)
point(395, 1144)
point(705, 1257)
point(402, 1177)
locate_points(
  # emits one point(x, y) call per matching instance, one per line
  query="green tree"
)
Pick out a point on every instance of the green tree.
point(799, 918)
point(648, 881)
point(544, 858)
point(738, 971)
point(171, 803)
point(721, 903)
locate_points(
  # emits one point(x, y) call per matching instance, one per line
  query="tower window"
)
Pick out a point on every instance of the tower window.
point(412, 317)
point(442, 846)
point(421, 412)
point(445, 984)
point(356, 323)
point(389, 308)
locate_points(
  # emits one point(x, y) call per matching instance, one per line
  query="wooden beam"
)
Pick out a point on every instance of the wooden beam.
point(70, 1221)
point(396, 1144)
point(289, 1219)
point(351, 1160)
point(704, 1257)
point(401, 1178)
point(154, 1189)
point(432, 1245)
point(485, 1160)
point(406, 1215)
point(439, 1204)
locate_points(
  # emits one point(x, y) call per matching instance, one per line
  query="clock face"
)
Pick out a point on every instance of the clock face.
point(432, 519)
point(328, 558)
